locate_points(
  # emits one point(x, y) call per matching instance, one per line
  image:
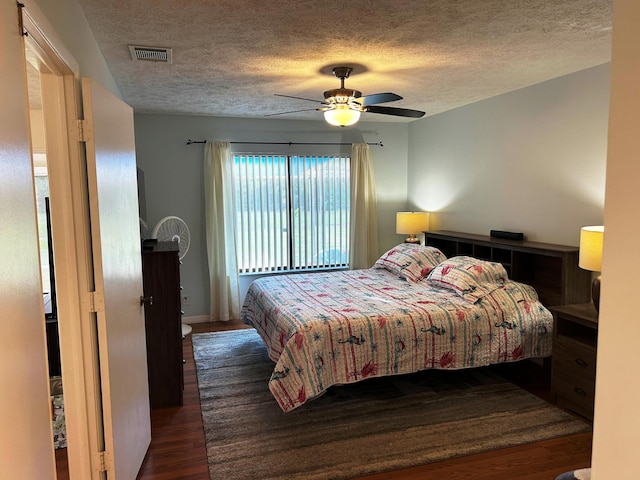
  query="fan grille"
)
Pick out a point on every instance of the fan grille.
point(173, 229)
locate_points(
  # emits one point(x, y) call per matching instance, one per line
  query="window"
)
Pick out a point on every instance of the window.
point(292, 212)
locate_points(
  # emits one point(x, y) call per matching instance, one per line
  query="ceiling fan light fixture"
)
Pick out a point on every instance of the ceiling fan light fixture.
point(341, 116)
point(342, 107)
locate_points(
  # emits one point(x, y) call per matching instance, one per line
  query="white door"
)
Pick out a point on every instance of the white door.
point(26, 448)
point(115, 231)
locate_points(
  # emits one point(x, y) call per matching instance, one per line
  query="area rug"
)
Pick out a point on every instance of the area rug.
point(353, 430)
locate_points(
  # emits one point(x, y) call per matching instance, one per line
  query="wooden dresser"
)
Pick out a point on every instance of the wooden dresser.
point(551, 269)
point(573, 368)
point(163, 322)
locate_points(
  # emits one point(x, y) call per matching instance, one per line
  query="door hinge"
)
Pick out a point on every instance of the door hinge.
point(23, 31)
point(93, 302)
point(81, 131)
point(103, 461)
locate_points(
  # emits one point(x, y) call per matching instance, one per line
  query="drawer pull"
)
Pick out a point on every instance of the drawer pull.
point(580, 391)
point(581, 362)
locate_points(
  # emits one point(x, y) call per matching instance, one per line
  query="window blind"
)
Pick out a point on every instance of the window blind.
point(292, 212)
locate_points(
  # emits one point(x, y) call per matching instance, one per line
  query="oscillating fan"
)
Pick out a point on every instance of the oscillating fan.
point(173, 229)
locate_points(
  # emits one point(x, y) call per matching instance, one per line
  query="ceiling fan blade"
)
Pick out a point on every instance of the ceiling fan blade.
point(379, 98)
point(398, 112)
point(290, 111)
point(300, 98)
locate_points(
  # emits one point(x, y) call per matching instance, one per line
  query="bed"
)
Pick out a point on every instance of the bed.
point(413, 310)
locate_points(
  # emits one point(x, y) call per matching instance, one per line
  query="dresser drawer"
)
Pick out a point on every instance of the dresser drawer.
point(574, 357)
point(573, 361)
point(576, 395)
point(573, 376)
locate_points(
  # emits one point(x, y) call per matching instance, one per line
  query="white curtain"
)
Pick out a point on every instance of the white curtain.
point(220, 231)
point(363, 244)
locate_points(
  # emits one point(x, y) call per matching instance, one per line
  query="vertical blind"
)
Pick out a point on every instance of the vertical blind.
point(292, 212)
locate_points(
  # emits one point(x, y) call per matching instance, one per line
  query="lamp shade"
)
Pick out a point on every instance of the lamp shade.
point(341, 115)
point(591, 248)
point(410, 223)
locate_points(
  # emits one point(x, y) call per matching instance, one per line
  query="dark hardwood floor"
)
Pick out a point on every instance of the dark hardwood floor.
point(177, 448)
point(178, 452)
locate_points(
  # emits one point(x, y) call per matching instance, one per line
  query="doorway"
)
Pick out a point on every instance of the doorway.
point(90, 165)
point(38, 67)
point(59, 170)
point(47, 257)
point(106, 401)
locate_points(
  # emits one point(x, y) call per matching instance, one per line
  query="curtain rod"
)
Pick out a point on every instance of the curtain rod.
point(376, 144)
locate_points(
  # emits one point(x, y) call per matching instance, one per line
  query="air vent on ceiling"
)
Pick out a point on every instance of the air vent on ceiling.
point(150, 54)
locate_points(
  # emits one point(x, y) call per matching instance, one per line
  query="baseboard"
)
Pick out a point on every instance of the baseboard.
point(196, 319)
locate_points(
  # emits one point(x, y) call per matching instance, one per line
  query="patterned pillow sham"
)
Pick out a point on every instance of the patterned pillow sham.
point(409, 261)
point(469, 277)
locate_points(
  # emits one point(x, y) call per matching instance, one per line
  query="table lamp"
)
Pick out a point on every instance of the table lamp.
point(591, 257)
point(412, 223)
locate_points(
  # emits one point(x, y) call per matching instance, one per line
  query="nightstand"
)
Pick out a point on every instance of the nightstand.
point(573, 364)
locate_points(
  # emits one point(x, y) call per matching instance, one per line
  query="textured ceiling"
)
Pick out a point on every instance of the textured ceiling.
point(231, 56)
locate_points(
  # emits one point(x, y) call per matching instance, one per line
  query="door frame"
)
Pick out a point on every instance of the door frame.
point(72, 253)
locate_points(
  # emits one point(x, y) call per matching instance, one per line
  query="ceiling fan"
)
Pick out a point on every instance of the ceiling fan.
point(342, 106)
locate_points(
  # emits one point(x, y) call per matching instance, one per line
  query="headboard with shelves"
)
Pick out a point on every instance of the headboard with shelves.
point(551, 269)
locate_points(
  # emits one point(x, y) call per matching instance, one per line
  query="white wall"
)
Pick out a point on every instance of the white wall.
point(174, 185)
point(617, 406)
point(71, 28)
point(25, 439)
point(530, 161)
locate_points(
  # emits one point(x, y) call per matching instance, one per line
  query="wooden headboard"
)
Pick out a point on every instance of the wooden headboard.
point(551, 269)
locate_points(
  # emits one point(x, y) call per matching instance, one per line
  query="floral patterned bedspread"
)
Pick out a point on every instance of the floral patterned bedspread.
point(325, 329)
